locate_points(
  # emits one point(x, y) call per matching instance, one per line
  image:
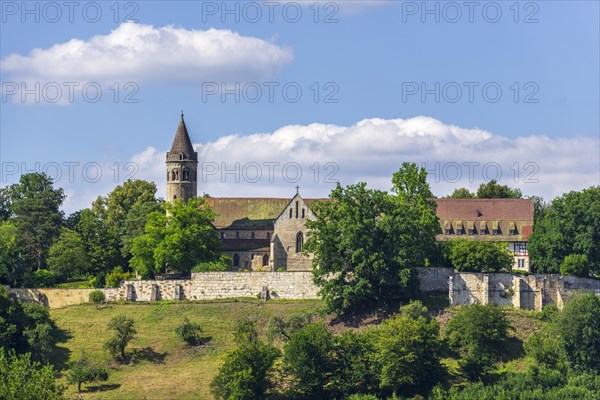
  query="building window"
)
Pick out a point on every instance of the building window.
point(252, 235)
point(265, 260)
point(521, 263)
point(303, 213)
point(174, 197)
point(483, 231)
point(495, 232)
point(167, 176)
point(181, 156)
point(237, 235)
point(471, 232)
point(299, 242)
point(186, 175)
point(236, 260)
point(176, 175)
point(459, 231)
point(296, 209)
point(448, 232)
point(291, 213)
point(268, 235)
point(512, 232)
point(172, 175)
point(222, 235)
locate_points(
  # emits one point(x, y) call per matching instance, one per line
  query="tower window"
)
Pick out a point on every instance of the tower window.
point(181, 156)
point(296, 209)
point(186, 176)
point(174, 197)
point(172, 175)
point(265, 260)
point(299, 242)
point(167, 176)
point(291, 213)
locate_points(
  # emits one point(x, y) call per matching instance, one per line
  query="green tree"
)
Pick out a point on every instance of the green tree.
point(476, 256)
point(35, 205)
point(569, 226)
point(101, 242)
point(355, 370)
point(367, 243)
point(578, 330)
point(244, 374)
point(124, 332)
point(84, 371)
point(461, 193)
point(407, 353)
point(135, 222)
point(493, 190)
point(179, 240)
point(13, 268)
point(309, 356)
point(22, 379)
point(478, 332)
point(26, 327)
point(67, 256)
point(575, 264)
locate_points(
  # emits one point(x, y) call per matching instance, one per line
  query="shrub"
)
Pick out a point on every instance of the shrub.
point(190, 333)
point(100, 280)
point(116, 276)
point(479, 333)
point(309, 358)
point(407, 353)
point(23, 379)
point(97, 297)
point(44, 278)
point(476, 256)
point(575, 264)
point(578, 330)
point(244, 372)
point(223, 264)
point(363, 397)
point(284, 328)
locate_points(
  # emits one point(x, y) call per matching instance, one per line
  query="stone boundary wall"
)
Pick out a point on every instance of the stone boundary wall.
point(529, 292)
point(58, 297)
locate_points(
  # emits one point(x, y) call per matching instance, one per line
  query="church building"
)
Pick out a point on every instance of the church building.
point(267, 234)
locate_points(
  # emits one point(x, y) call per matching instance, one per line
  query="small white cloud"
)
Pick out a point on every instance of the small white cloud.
point(138, 52)
point(372, 149)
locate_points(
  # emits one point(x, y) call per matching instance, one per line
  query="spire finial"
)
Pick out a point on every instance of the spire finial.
point(182, 114)
point(297, 189)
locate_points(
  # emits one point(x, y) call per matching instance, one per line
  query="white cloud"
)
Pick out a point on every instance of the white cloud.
point(138, 52)
point(372, 149)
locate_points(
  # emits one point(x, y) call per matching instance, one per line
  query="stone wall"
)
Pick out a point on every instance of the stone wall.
point(434, 279)
point(529, 292)
point(56, 298)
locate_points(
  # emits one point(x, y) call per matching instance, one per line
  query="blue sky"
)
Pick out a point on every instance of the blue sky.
point(468, 89)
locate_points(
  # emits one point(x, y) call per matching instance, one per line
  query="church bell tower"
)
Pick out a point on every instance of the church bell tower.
point(182, 166)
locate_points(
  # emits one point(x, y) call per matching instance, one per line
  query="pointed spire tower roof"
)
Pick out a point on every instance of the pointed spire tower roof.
point(182, 145)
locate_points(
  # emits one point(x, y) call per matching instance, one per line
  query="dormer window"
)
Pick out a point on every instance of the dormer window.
point(181, 156)
point(448, 231)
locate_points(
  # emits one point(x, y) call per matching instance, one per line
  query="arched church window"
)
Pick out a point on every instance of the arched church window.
point(236, 260)
point(299, 242)
point(265, 260)
point(176, 175)
point(172, 175)
point(303, 213)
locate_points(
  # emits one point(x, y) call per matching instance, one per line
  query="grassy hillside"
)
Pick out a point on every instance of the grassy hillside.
point(164, 368)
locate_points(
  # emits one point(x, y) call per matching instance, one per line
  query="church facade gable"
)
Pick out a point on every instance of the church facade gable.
point(289, 236)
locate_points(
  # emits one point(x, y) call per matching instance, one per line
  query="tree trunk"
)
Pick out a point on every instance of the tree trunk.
point(78, 387)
